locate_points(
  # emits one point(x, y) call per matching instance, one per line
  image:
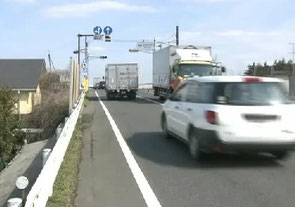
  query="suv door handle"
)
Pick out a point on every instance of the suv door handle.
point(177, 107)
point(189, 109)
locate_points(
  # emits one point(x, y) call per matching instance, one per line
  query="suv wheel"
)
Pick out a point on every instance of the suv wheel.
point(164, 127)
point(194, 146)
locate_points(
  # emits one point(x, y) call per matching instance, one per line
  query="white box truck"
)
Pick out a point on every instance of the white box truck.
point(121, 80)
point(175, 63)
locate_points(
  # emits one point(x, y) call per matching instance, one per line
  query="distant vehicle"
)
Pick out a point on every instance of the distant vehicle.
point(121, 80)
point(96, 81)
point(101, 85)
point(173, 64)
point(231, 114)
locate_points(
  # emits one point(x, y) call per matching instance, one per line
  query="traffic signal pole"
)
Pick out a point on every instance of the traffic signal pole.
point(108, 31)
point(79, 45)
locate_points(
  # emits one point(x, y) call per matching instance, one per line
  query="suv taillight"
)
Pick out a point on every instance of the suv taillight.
point(211, 117)
point(252, 79)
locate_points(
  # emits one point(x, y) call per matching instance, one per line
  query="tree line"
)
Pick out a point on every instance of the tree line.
point(265, 69)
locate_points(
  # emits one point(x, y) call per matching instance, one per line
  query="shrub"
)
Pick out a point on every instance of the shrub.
point(54, 105)
point(10, 139)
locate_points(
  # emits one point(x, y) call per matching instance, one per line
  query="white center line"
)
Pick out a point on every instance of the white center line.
point(146, 190)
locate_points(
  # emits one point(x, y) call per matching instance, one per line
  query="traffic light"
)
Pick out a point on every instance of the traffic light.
point(107, 38)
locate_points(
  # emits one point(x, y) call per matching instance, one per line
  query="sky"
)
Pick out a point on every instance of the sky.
point(240, 32)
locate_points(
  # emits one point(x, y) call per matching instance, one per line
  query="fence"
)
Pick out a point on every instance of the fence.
point(43, 186)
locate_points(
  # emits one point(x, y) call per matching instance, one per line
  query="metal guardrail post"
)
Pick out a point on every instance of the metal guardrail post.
point(14, 202)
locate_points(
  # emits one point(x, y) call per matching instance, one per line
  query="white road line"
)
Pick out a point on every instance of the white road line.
point(149, 100)
point(146, 190)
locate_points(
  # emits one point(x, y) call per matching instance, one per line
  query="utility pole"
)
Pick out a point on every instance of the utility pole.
point(49, 60)
point(79, 47)
point(87, 57)
point(293, 54)
point(79, 63)
point(177, 35)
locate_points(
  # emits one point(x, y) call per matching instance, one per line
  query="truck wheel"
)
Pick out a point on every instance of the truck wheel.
point(162, 98)
point(109, 97)
point(281, 155)
point(132, 96)
point(156, 91)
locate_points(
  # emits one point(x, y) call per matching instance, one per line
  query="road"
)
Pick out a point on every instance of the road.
point(175, 179)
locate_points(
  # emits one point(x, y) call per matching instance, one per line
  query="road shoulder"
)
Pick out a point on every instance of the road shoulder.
point(104, 177)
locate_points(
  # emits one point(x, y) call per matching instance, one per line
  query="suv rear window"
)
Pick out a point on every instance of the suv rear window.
point(252, 93)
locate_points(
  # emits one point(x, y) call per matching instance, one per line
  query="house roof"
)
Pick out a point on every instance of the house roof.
point(21, 74)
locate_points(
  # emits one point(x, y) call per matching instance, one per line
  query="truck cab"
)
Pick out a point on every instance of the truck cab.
point(173, 64)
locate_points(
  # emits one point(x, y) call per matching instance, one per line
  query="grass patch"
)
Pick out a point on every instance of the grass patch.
point(66, 183)
point(86, 99)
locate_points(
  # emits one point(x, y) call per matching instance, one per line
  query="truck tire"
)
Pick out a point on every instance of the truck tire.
point(132, 96)
point(109, 96)
point(281, 155)
point(162, 98)
point(156, 91)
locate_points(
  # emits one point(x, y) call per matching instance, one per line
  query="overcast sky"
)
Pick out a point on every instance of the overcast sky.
point(239, 31)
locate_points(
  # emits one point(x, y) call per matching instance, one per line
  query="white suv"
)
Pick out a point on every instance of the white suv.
point(231, 114)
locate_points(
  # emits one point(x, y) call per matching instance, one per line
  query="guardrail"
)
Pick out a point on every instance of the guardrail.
point(43, 186)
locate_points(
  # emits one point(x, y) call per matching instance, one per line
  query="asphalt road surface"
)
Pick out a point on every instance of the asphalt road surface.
point(175, 179)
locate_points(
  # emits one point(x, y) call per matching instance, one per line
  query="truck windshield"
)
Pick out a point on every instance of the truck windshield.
point(195, 69)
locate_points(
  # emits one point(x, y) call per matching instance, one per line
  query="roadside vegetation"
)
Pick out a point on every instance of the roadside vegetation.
point(11, 139)
point(46, 116)
point(66, 182)
point(265, 69)
point(54, 105)
point(86, 99)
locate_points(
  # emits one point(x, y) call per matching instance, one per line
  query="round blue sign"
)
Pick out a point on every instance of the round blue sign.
point(97, 30)
point(107, 30)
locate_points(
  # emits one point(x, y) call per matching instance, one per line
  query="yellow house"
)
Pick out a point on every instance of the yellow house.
point(22, 76)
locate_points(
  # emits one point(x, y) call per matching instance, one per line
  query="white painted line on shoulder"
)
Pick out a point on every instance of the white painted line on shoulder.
point(146, 99)
point(146, 190)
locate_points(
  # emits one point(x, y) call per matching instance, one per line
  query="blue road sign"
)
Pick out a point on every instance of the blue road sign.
point(107, 30)
point(97, 30)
